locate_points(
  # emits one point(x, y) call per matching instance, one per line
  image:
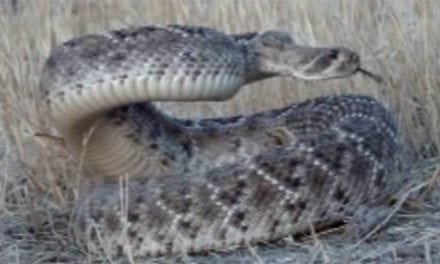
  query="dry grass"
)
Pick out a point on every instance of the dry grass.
point(399, 39)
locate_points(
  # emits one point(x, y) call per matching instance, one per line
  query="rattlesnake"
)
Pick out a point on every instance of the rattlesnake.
point(212, 183)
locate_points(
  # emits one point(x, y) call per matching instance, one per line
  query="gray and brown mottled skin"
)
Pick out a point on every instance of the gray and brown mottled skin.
point(213, 183)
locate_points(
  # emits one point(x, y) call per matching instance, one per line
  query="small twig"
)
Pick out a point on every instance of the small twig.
point(399, 204)
point(428, 257)
point(58, 140)
point(254, 253)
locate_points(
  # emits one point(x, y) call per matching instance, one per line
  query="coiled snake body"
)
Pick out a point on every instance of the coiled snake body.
point(212, 183)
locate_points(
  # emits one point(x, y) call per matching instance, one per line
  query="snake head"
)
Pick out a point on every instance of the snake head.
point(279, 55)
point(312, 63)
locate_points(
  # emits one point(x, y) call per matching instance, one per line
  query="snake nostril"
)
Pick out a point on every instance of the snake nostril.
point(355, 58)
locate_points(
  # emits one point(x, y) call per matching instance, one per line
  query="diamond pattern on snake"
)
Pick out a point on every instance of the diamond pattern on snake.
point(209, 184)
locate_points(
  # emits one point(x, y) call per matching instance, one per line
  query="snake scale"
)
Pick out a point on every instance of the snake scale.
point(199, 185)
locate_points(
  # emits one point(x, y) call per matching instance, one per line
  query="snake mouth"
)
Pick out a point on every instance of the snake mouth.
point(377, 78)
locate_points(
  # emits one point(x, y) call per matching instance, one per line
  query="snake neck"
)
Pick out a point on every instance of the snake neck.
point(255, 66)
point(264, 63)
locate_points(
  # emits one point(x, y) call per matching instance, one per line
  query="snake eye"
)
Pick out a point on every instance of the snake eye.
point(333, 54)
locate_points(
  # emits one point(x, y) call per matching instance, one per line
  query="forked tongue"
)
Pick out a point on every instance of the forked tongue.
point(377, 78)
